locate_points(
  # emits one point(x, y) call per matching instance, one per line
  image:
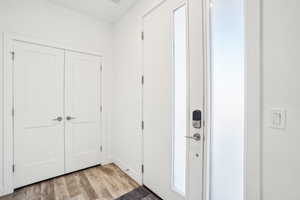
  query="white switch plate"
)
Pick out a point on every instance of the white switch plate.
point(278, 118)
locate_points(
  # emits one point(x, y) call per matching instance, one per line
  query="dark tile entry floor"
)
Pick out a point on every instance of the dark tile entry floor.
point(140, 193)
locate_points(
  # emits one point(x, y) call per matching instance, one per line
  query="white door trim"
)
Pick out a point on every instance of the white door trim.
point(207, 98)
point(7, 114)
point(8, 147)
point(253, 104)
point(1, 118)
point(42, 42)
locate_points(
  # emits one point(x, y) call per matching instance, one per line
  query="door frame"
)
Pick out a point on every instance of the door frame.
point(8, 96)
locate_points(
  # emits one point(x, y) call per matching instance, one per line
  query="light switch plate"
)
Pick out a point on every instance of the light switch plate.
point(278, 118)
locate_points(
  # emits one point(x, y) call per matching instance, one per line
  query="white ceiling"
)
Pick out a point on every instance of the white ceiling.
point(108, 10)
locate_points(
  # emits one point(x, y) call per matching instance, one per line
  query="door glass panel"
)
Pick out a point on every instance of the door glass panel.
point(180, 100)
point(227, 147)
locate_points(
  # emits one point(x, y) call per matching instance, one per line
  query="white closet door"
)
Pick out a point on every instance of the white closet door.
point(83, 111)
point(38, 122)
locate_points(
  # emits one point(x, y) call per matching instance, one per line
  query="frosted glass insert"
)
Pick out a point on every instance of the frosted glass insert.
point(180, 100)
point(227, 150)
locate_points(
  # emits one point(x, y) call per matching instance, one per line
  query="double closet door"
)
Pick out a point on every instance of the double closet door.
point(57, 112)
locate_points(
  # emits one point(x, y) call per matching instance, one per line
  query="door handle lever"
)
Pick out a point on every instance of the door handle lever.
point(59, 119)
point(70, 118)
point(196, 137)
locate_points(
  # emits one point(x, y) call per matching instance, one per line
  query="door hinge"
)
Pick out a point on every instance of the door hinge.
point(101, 108)
point(143, 125)
point(142, 35)
point(101, 68)
point(13, 112)
point(13, 55)
point(101, 148)
point(143, 170)
point(14, 168)
point(143, 80)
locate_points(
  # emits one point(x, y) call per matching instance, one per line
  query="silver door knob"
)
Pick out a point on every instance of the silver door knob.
point(196, 137)
point(59, 119)
point(70, 118)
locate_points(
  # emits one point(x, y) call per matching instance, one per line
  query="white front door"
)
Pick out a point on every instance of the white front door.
point(157, 103)
point(83, 111)
point(172, 97)
point(39, 110)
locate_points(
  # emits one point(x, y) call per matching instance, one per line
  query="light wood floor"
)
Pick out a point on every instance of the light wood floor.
point(99, 183)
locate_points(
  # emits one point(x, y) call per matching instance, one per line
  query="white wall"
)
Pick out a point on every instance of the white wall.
point(281, 89)
point(42, 20)
point(1, 116)
point(126, 129)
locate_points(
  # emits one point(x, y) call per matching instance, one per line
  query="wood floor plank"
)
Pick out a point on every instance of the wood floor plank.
point(60, 189)
point(47, 190)
point(107, 184)
point(110, 183)
point(83, 192)
point(86, 185)
point(20, 194)
point(125, 178)
point(98, 183)
point(118, 184)
point(34, 192)
point(72, 185)
point(123, 182)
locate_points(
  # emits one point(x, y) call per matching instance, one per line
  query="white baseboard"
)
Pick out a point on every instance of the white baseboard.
point(106, 161)
point(130, 172)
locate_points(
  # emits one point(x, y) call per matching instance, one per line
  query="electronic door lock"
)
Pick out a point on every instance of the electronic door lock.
point(197, 119)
